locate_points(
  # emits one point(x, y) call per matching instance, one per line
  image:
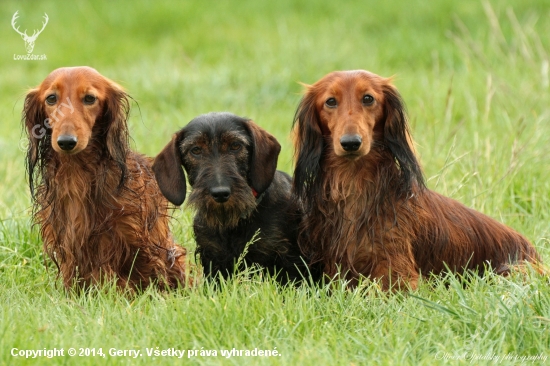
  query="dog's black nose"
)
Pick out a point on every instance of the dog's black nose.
point(350, 142)
point(67, 142)
point(220, 194)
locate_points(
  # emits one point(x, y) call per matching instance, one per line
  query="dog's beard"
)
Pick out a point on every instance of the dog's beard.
point(223, 215)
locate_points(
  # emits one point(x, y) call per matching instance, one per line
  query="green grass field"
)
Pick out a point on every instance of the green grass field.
point(475, 77)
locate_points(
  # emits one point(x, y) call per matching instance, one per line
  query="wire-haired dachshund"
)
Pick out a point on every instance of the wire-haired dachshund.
point(236, 191)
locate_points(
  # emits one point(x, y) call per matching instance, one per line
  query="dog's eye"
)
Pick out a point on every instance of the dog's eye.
point(51, 99)
point(89, 99)
point(196, 150)
point(331, 103)
point(235, 146)
point(368, 99)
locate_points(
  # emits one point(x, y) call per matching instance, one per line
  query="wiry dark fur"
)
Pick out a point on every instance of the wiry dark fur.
point(223, 229)
point(372, 215)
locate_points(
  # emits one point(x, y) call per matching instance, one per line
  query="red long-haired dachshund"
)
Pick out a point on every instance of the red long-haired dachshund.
point(367, 209)
point(99, 208)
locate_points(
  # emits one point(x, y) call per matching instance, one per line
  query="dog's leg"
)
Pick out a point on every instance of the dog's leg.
point(395, 278)
point(396, 268)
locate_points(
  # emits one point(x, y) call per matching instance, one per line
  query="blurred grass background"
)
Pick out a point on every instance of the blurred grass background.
point(474, 75)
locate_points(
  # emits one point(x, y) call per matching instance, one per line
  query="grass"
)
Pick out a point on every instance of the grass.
point(475, 76)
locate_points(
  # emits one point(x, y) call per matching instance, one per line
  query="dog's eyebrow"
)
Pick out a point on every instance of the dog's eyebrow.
point(192, 138)
point(235, 135)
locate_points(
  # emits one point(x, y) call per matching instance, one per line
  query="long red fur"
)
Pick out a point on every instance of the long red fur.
point(100, 211)
point(368, 213)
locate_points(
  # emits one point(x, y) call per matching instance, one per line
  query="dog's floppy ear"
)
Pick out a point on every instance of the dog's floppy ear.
point(397, 139)
point(38, 132)
point(309, 145)
point(114, 126)
point(265, 153)
point(169, 171)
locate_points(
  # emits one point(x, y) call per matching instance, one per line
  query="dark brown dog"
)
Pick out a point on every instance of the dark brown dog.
point(367, 209)
point(100, 211)
point(231, 165)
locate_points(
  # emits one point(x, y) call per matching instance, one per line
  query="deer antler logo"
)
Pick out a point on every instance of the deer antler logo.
point(29, 40)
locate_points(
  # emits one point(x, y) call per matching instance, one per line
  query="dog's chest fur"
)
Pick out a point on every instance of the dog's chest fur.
point(85, 214)
point(274, 220)
point(345, 223)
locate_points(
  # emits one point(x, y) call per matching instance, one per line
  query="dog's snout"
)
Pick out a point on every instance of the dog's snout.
point(67, 142)
point(220, 194)
point(351, 142)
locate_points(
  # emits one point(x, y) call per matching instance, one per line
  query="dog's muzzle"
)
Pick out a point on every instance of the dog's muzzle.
point(351, 143)
point(220, 194)
point(66, 142)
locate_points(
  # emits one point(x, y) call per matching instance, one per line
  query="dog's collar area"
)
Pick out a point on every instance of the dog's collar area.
point(258, 197)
